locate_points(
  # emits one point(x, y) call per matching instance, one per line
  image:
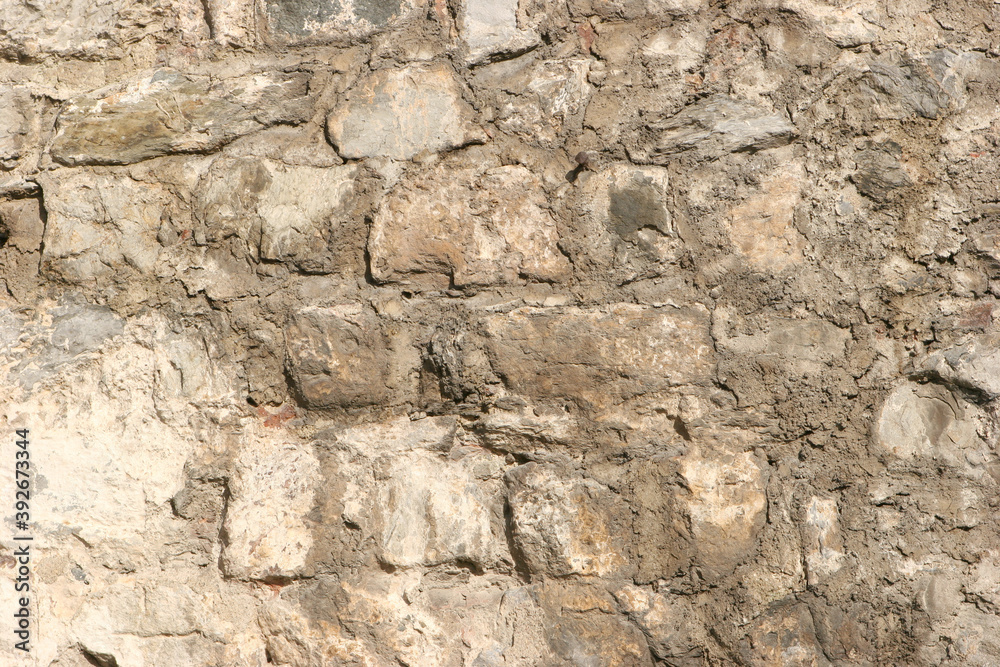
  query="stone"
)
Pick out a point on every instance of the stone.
point(467, 228)
point(15, 125)
point(685, 49)
point(85, 29)
point(973, 364)
point(927, 422)
point(338, 357)
point(564, 526)
point(491, 28)
point(880, 171)
point(671, 622)
point(784, 636)
point(630, 200)
point(169, 112)
point(292, 212)
point(846, 26)
point(398, 113)
point(75, 331)
point(903, 86)
point(724, 500)
point(762, 227)
point(430, 512)
point(715, 126)
point(333, 20)
point(600, 354)
point(821, 539)
point(543, 99)
point(272, 489)
point(98, 226)
point(579, 630)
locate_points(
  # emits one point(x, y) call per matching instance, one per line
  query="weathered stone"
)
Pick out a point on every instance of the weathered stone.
point(715, 126)
point(785, 637)
point(75, 331)
point(821, 539)
point(490, 28)
point(723, 497)
point(327, 20)
point(632, 200)
point(903, 86)
point(398, 113)
point(600, 354)
point(467, 228)
point(271, 492)
point(293, 211)
point(338, 357)
point(15, 125)
point(549, 97)
point(411, 491)
point(930, 423)
point(169, 112)
point(762, 227)
point(684, 48)
point(880, 172)
point(88, 29)
point(846, 26)
point(670, 621)
point(973, 364)
point(564, 526)
point(579, 630)
point(430, 512)
point(99, 225)
point(366, 620)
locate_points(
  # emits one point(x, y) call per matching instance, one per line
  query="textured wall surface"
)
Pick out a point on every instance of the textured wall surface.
point(482, 333)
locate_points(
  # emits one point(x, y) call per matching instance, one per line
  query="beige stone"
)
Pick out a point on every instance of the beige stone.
point(725, 501)
point(563, 525)
point(762, 228)
point(398, 113)
point(467, 228)
point(600, 354)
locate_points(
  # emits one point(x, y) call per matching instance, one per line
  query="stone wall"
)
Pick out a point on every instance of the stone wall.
point(481, 333)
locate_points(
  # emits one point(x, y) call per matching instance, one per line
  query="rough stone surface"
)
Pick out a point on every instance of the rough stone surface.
point(398, 113)
point(466, 228)
point(458, 333)
point(720, 125)
point(168, 112)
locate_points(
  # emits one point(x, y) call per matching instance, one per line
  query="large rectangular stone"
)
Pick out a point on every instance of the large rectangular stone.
point(602, 353)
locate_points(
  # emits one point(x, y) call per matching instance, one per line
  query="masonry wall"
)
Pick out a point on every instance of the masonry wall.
point(481, 333)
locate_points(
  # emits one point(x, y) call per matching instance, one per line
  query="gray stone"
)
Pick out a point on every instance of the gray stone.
point(880, 172)
point(169, 112)
point(75, 330)
point(973, 364)
point(398, 113)
point(903, 86)
point(338, 357)
point(490, 27)
point(297, 21)
point(718, 125)
point(15, 125)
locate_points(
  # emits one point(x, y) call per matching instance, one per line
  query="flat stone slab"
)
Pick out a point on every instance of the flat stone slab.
point(467, 227)
point(597, 354)
point(398, 113)
point(168, 112)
